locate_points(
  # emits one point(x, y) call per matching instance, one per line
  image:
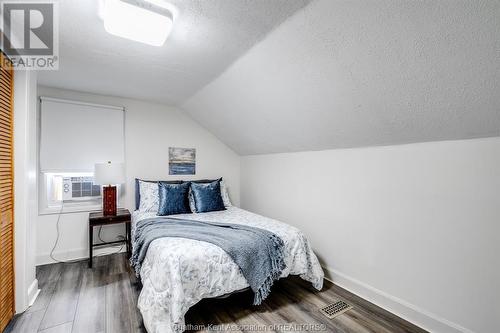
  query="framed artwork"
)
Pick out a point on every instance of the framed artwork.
point(181, 161)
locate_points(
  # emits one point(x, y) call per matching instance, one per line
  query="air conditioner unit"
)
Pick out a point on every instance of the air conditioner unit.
point(80, 189)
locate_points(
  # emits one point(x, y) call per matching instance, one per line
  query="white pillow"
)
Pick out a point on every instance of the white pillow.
point(192, 204)
point(224, 194)
point(150, 199)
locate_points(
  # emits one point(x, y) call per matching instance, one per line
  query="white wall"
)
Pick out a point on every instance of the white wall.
point(414, 228)
point(25, 187)
point(149, 130)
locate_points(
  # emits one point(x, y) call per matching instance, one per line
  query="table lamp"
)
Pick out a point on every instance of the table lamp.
point(109, 174)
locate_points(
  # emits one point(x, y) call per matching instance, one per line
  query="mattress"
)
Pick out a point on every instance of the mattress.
point(177, 272)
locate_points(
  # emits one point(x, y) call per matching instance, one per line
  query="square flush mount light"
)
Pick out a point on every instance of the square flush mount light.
point(133, 22)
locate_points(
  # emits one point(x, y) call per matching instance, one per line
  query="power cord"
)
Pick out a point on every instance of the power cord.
point(75, 260)
point(119, 237)
point(57, 238)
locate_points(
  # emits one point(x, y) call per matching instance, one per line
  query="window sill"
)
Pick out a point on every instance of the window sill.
point(68, 209)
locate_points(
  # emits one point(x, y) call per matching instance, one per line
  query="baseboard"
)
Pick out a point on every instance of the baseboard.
point(397, 306)
point(74, 254)
point(33, 292)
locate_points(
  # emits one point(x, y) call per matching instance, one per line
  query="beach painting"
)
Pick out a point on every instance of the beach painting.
point(181, 161)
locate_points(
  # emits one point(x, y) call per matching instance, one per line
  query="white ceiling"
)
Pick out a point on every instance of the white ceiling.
point(288, 75)
point(208, 35)
point(361, 73)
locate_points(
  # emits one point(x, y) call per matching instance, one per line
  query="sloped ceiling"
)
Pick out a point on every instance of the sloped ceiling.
point(207, 36)
point(361, 73)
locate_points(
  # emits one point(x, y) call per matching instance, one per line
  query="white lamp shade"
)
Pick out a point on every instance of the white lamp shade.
point(109, 173)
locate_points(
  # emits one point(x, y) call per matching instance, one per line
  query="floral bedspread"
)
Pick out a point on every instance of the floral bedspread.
point(177, 272)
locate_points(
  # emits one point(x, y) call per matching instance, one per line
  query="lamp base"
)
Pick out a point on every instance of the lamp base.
point(109, 200)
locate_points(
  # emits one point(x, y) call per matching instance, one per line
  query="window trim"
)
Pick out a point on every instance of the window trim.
point(69, 209)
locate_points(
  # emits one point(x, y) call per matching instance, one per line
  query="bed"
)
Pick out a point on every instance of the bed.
point(177, 272)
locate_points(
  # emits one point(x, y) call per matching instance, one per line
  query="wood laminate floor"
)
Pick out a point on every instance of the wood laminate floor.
point(75, 299)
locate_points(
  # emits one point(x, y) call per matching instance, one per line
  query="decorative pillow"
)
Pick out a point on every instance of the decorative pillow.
point(149, 198)
point(207, 197)
point(138, 189)
point(203, 182)
point(173, 198)
point(225, 194)
point(192, 205)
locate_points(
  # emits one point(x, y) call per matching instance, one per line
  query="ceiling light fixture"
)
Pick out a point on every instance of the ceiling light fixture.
point(127, 20)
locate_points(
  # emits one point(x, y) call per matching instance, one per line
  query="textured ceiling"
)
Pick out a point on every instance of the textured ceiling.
point(208, 35)
point(361, 73)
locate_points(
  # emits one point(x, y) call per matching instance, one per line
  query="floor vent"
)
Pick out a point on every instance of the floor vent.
point(335, 309)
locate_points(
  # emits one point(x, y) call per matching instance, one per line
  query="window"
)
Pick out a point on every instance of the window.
point(73, 137)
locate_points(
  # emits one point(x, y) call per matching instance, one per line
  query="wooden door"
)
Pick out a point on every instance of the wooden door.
point(6, 194)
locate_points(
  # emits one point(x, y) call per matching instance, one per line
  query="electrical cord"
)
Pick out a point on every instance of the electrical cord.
point(57, 239)
point(75, 260)
point(120, 237)
point(99, 234)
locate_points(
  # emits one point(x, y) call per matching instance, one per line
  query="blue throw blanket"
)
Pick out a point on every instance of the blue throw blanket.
point(258, 252)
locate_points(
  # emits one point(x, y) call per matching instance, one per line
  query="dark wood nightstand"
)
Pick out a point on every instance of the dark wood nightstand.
point(98, 219)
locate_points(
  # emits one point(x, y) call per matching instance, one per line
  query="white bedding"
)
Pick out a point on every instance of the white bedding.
point(177, 272)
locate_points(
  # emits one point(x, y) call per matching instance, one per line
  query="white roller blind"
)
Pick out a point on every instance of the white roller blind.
point(74, 135)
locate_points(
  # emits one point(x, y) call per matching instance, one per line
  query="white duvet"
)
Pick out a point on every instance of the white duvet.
point(177, 272)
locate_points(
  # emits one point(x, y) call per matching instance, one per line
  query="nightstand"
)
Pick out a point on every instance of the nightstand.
point(98, 219)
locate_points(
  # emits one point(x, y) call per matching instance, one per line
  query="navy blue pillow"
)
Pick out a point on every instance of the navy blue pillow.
point(207, 197)
point(173, 198)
